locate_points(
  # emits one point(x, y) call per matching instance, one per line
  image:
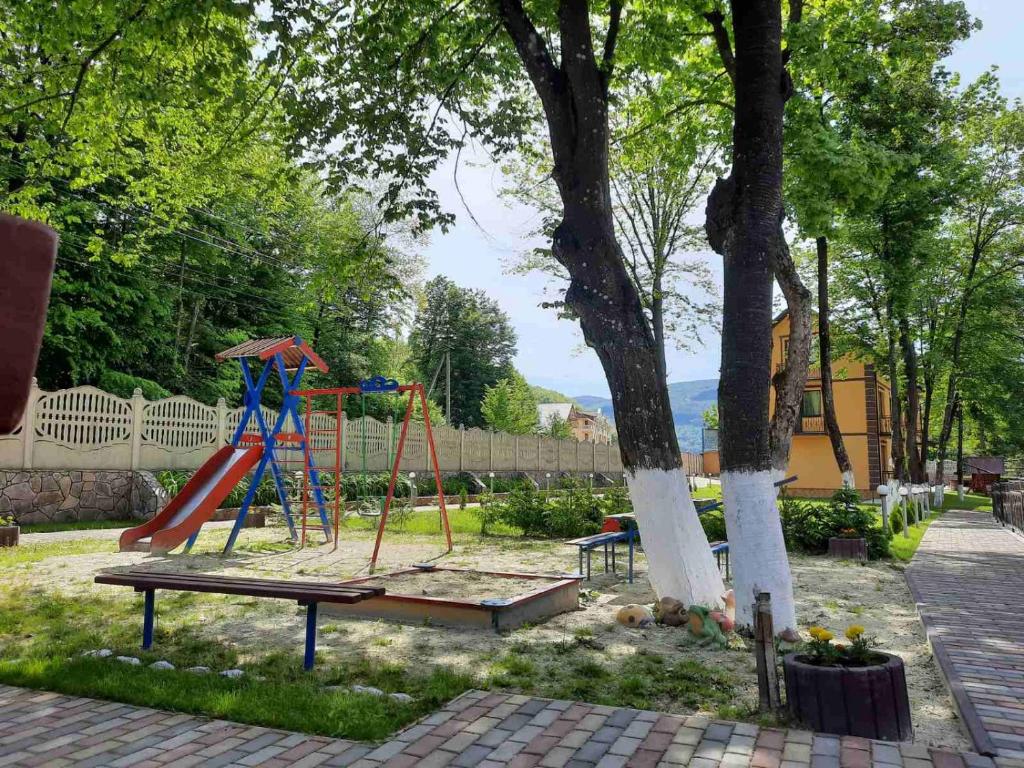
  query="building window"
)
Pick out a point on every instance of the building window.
point(811, 404)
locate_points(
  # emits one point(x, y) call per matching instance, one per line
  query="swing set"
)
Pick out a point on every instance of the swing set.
point(289, 448)
point(316, 489)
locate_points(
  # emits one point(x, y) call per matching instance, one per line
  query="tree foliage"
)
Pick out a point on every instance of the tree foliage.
point(509, 406)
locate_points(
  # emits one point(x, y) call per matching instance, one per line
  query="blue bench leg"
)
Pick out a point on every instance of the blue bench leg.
point(613, 557)
point(149, 601)
point(581, 561)
point(589, 553)
point(307, 662)
point(630, 571)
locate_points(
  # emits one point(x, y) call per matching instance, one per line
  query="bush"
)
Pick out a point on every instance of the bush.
point(807, 526)
point(577, 512)
point(524, 509)
point(124, 385)
point(714, 525)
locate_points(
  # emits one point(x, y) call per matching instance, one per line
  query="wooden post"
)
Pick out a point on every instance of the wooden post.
point(769, 698)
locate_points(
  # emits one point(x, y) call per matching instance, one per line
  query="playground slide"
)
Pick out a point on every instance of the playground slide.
point(195, 503)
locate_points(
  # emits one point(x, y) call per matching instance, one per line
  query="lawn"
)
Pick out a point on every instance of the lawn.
point(77, 525)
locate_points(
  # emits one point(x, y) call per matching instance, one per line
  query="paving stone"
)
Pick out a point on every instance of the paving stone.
point(638, 728)
point(718, 732)
point(824, 761)
point(711, 750)
point(611, 761)
point(798, 753)
point(592, 751)
point(576, 739)
point(620, 718)
point(472, 757)
point(825, 745)
point(678, 754)
point(607, 734)
point(692, 736)
point(886, 753)
point(624, 745)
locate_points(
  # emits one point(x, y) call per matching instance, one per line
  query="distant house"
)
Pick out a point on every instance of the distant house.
point(862, 409)
point(586, 426)
point(984, 470)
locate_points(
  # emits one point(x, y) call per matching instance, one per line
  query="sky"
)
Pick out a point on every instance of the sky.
point(551, 351)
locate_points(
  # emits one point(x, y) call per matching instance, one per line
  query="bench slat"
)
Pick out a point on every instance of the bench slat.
point(215, 579)
point(300, 591)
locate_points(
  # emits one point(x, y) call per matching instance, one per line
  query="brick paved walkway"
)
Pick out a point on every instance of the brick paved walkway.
point(968, 579)
point(477, 729)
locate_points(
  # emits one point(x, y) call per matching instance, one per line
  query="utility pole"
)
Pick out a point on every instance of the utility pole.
point(448, 386)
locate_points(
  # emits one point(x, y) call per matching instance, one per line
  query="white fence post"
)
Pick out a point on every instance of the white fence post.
point(222, 422)
point(344, 439)
point(462, 447)
point(28, 428)
point(516, 453)
point(490, 450)
point(138, 404)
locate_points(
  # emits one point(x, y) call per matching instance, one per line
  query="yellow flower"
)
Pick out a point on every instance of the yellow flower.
point(821, 634)
point(854, 631)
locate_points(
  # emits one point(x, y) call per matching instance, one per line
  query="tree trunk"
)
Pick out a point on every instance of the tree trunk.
point(743, 224)
point(791, 381)
point(953, 382)
point(575, 101)
point(913, 400)
point(658, 326)
point(895, 406)
point(828, 402)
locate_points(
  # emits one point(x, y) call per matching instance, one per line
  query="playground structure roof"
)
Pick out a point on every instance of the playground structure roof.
point(291, 348)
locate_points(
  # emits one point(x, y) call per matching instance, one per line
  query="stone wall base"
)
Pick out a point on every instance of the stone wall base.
point(59, 495)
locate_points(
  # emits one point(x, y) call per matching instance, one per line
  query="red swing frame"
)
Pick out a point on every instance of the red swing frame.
point(414, 390)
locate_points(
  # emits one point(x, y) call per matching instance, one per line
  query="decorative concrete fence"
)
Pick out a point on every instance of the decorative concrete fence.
point(85, 428)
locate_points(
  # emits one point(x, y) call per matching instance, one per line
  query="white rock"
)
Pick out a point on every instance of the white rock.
point(232, 673)
point(129, 660)
point(102, 653)
point(161, 665)
point(198, 670)
point(402, 698)
point(367, 689)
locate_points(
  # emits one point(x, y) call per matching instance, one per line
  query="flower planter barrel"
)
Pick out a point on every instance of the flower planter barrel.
point(848, 549)
point(9, 535)
point(866, 701)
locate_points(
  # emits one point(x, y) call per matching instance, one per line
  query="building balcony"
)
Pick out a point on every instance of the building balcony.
point(811, 425)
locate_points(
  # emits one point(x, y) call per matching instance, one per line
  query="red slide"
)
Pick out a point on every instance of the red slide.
point(195, 503)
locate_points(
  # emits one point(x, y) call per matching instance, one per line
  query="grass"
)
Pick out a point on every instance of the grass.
point(77, 525)
point(579, 670)
point(23, 554)
point(43, 634)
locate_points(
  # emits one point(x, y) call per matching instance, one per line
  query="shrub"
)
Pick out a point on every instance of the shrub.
point(524, 509)
point(487, 512)
point(616, 501)
point(577, 512)
point(124, 385)
point(807, 526)
point(714, 525)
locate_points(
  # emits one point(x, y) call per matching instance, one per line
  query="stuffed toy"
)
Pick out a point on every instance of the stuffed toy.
point(670, 612)
point(704, 627)
point(633, 615)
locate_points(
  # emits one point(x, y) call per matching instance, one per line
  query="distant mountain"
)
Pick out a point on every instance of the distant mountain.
point(689, 401)
point(545, 395)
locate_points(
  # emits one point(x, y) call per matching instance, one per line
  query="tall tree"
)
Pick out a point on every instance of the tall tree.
point(744, 225)
point(508, 406)
point(462, 332)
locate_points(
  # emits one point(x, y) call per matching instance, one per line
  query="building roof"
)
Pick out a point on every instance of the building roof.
point(985, 465)
point(546, 410)
point(292, 349)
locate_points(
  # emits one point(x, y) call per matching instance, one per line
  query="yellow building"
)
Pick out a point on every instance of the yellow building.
point(862, 410)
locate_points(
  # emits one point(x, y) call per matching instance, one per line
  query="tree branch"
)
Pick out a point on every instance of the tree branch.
point(717, 21)
point(532, 49)
point(87, 62)
point(614, 21)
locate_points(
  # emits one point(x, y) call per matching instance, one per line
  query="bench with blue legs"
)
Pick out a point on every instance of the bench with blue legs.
point(609, 540)
point(306, 593)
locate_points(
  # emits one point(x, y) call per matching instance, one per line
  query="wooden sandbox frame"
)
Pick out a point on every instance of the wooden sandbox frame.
point(556, 593)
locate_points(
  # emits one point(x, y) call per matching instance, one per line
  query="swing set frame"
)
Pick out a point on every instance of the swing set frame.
point(375, 385)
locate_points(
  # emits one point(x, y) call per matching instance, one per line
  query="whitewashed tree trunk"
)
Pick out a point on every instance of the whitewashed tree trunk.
point(848, 479)
point(756, 546)
point(679, 561)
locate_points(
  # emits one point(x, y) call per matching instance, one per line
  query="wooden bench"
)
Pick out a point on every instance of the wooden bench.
point(306, 593)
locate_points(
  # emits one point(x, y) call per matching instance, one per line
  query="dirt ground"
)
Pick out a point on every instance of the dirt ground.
point(829, 593)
